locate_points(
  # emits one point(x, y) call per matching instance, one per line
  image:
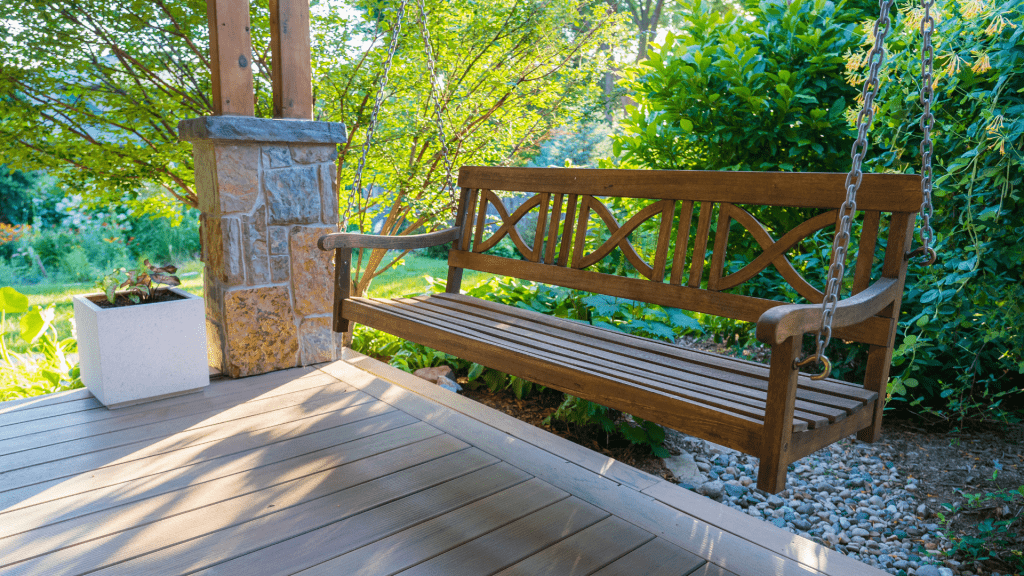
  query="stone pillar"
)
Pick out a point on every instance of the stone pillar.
point(266, 194)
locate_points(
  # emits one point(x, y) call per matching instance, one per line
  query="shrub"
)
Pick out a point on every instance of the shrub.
point(963, 318)
point(772, 93)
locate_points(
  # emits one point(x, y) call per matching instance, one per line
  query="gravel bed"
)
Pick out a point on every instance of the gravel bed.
point(849, 497)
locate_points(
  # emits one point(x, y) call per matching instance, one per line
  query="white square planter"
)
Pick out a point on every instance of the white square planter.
point(133, 354)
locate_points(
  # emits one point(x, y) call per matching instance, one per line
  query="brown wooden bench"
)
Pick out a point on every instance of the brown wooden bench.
point(772, 412)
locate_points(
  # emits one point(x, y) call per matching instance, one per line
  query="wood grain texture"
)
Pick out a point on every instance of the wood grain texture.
point(700, 244)
point(586, 341)
point(682, 241)
point(774, 251)
point(782, 322)
point(583, 552)
point(655, 558)
point(513, 542)
point(140, 479)
point(282, 508)
point(230, 58)
point(782, 383)
point(292, 72)
point(866, 251)
point(689, 416)
point(678, 354)
point(196, 497)
point(424, 541)
point(885, 192)
point(705, 385)
point(279, 546)
point(204, 448)
point(407, 242)
point(61, 443)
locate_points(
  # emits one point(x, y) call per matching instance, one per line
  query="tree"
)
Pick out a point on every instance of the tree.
point(16, 196)
point(728, 92)
point(94, 91)
point(506, 76)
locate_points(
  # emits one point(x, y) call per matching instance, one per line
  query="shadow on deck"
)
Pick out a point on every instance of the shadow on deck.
point(349, 468)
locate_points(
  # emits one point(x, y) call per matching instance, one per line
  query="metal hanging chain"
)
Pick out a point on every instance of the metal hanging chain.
point(849, 208)
point(436, 99)
point(927, 123)
point(358, 179)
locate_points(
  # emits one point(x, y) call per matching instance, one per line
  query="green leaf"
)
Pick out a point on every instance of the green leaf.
point(12, 301)
point(53, 377)
point(475, 370)
point(33, 324)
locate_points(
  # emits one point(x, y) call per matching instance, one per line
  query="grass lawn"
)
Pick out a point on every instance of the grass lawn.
point(410, 279)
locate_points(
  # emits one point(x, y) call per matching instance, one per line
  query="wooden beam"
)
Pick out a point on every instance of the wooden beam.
point(292, 74)
point(230, 57)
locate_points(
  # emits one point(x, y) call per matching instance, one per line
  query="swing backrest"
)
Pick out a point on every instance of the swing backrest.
point(674, 244)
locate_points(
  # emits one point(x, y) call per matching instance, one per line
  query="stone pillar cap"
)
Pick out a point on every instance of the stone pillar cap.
point(264, 130)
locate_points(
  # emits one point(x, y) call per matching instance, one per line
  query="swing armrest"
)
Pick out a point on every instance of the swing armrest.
point(782, 322)
point(411, 242)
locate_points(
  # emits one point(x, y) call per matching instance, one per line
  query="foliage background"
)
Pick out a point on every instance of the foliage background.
point(780, 91)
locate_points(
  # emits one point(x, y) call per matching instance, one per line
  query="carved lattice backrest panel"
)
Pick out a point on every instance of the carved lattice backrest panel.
point(617, 231)
point(680, 242)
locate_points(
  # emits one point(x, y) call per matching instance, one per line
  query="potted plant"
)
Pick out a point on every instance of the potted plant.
point(141, 343)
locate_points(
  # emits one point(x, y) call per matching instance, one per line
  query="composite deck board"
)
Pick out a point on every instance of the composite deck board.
point(29, 414)
point(332, 470)
point(132, 502)
point(210, 416)
point(98, 423)
point(657, 557)
point(469, 420)
point(345, 527)
point(113, 465)
point(584, 552)
point(358, 440)
point(319, 552)
point(513, 542)
point(277, 508)
point(32, 402)
point(234, 392)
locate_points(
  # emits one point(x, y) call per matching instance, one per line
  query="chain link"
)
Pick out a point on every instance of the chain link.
point(853, 179)
point(927, 124)
point(436, 99)
point(395, 32)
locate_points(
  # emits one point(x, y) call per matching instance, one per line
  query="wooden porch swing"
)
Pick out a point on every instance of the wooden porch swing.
point(773, 412)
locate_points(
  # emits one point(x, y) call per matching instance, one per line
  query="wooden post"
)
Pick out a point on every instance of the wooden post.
point(292, 74)
point(778, 418)
point(230, 57)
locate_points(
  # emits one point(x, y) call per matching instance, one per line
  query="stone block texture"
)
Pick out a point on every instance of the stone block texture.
point(264, 205)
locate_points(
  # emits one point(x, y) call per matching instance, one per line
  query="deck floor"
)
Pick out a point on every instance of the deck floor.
point(348, 468)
